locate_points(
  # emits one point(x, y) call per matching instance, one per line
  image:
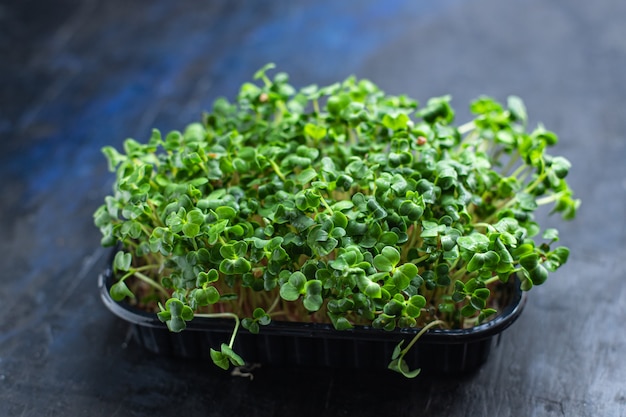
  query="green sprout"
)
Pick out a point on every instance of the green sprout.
point(337, 204)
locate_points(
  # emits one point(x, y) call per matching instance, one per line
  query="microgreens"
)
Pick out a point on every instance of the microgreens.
point(338, 204)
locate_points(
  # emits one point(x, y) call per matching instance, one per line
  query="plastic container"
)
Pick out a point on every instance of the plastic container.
point(315, 344)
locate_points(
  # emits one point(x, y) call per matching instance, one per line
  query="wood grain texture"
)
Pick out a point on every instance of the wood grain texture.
point(77, 75)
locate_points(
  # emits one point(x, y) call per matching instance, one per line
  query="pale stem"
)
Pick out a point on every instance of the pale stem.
point(421, 333)
point(150, 282)
point(225, 315)
point(467, 127)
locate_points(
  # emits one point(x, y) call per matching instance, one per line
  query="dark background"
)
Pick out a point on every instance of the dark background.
point(78, 75)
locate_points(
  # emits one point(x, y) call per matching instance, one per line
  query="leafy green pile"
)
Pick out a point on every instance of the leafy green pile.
point(338, 203)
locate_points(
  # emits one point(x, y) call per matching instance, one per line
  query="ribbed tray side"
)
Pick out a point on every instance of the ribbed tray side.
point(317, 345)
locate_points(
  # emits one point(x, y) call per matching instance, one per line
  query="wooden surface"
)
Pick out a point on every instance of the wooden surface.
point(79, 74)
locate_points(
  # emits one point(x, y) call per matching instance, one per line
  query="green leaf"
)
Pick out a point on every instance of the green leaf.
point(175, 315)
point(411, 210)
point(403, 275)
point(132, 229)
point(397, 350)
point(538, 275)
point(468, 310)
point(400, 366)
point(261, 72)
point(119, 291)
point(382, 263)
point(392, 254)
point(261, 316)
point(418, 301)
point(313, 295)
point(395, 122)
point(537, 272)
point(308, 199)
point(225, 357)
point(235, 266)
point(437, 109)
point(560, 166)
point(122, 261)
point(485, 105)
point(306, 175)
point(482, 293)
point(393, 307)
point(517, 108)
point(431, 229)
point(373, 290)
point(234, 250)
point(526, 201)
point(529, 261)
point(378, 212)
point(225, 213)
point(550, 138)
point(314, 131)
point(477, 302)
point(340, 322)
point(414, 306)
point(219, 359)
point(294, 287)
point(207, 277)
point(475, 242)
point(487, 260)
point(522, 250)
point(251, 325)
point(206, 296)
point(114, 158)
point(229, 353)
point(319, 239)
point(561, 254)
point(486, 313)
point(191, 230)
point(551, 234)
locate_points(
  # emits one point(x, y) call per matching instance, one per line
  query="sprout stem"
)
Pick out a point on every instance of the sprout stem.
point(274, 304)
point(549, 199)
point(537, 181)
point(277, 170)
point(150, 282)
point(316, 107)
point(483, 224)
point(467, 127)
point(420, 334)
point(325, 204)
point(227, 316)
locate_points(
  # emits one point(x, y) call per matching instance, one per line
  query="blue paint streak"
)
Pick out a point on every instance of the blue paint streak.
point(321, 41)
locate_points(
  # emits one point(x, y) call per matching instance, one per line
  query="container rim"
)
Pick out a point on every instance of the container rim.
point(503, 320)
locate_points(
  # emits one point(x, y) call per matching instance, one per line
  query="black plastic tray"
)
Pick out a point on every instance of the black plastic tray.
point(316, 344)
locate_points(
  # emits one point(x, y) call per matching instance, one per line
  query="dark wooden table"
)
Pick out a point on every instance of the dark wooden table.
point(79, 74)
